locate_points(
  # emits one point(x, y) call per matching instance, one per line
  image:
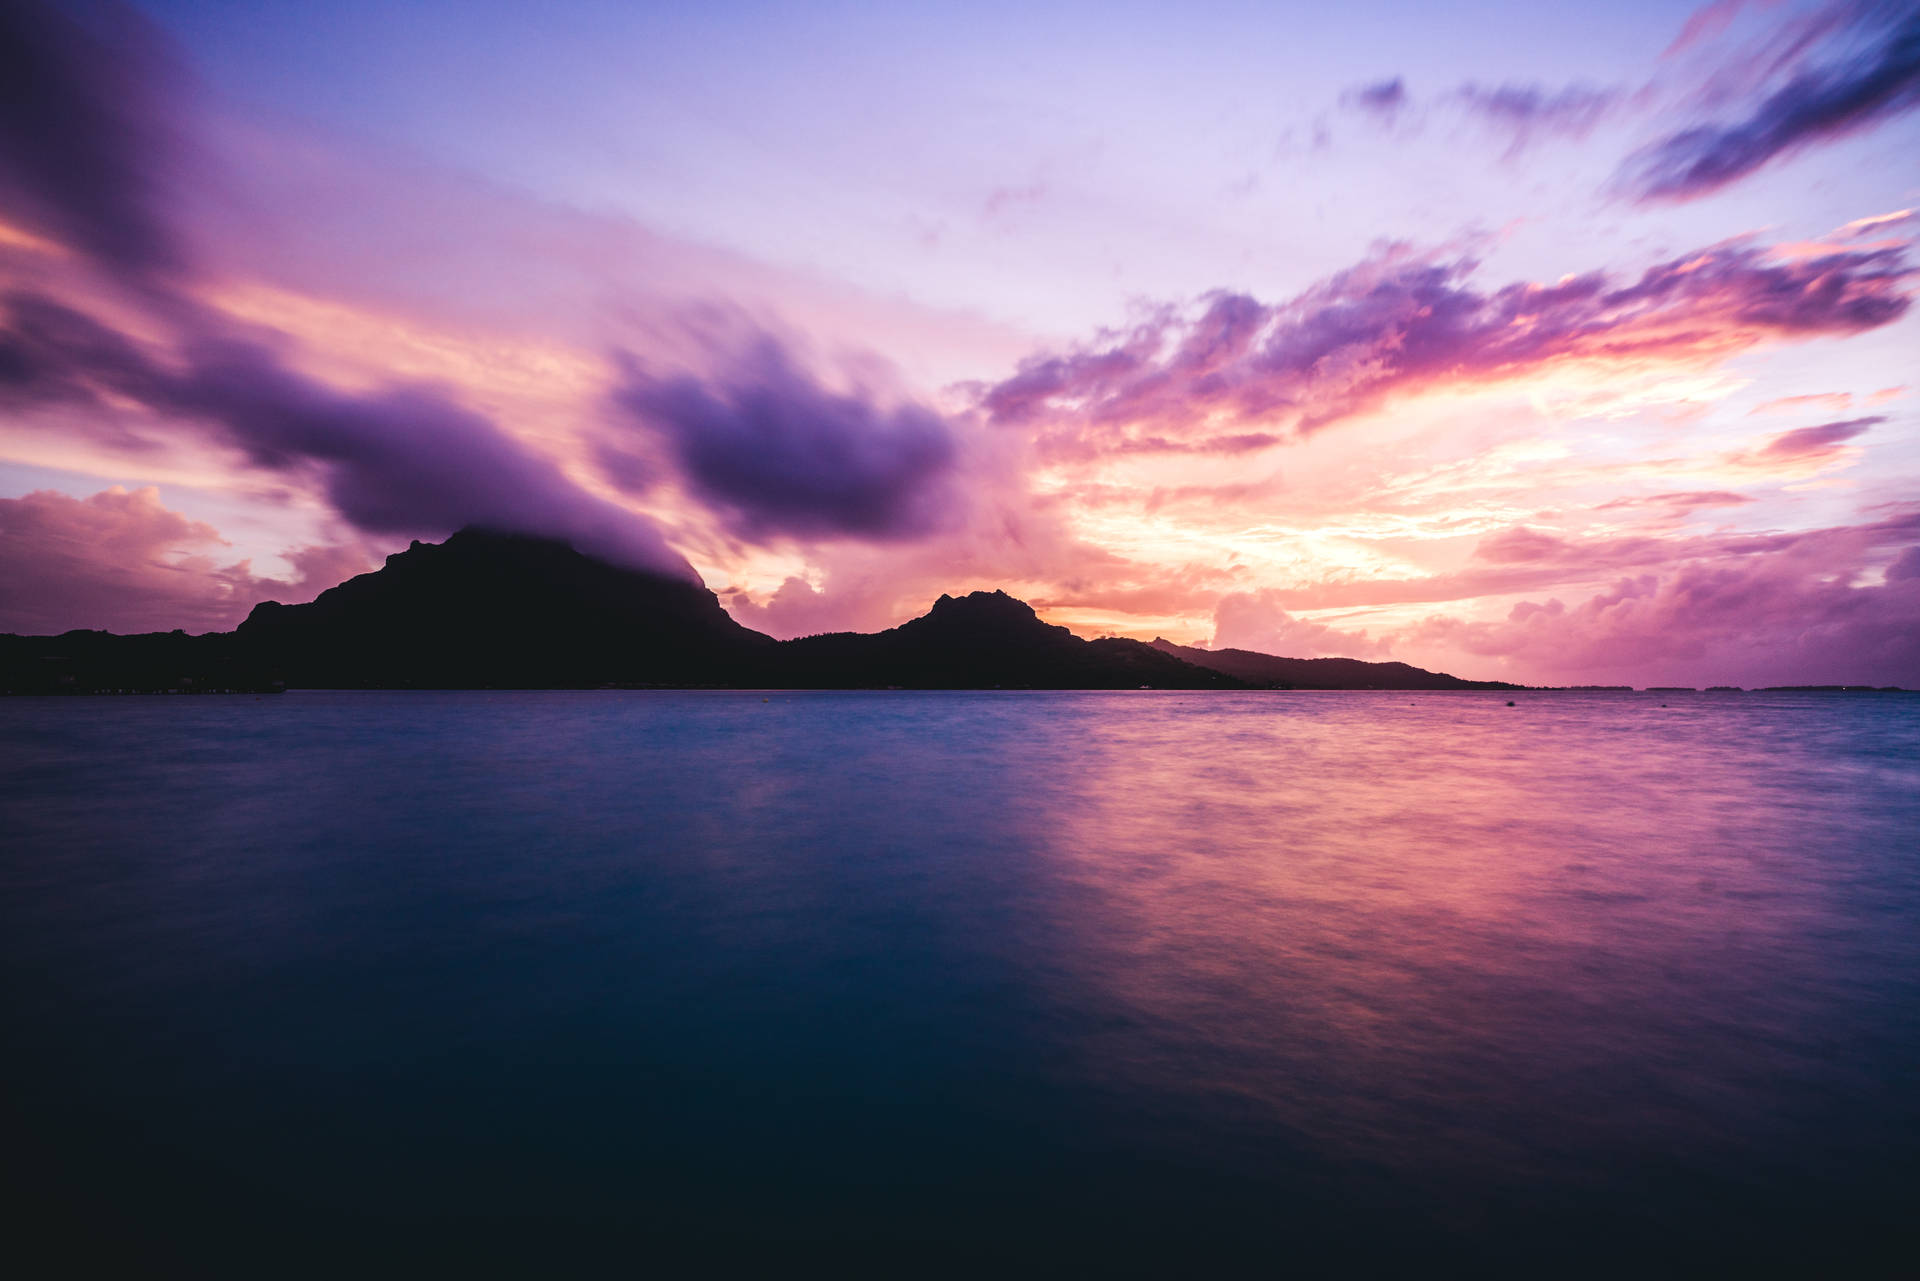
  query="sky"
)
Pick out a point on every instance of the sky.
point(1556, 344)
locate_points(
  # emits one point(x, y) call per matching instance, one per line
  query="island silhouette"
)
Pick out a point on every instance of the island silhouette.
point(487, 609)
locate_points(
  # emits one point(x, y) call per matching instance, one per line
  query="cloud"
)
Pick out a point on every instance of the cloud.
point(1519, 545)
point(87, 149)
point(1523, 112)
point(1233, 376)
point(402, 460)
point(87, 131)
point(1384, 98)
point(796, 608)
point(1527, 111)
point(1681, 501)
point(1870, 74)
point(1253, 620)
point(1791, 615)
point(1520, 559)
point(1860, 228)
point(1834, 400)
point(1807, 445)
point(1704, 24)
point(1002, 200)
point(123, 561)
point(778, 454)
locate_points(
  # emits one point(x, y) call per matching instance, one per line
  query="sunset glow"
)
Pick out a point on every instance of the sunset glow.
point(1583, 353)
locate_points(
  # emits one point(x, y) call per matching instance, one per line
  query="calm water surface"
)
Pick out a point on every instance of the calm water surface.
point(1009, 981)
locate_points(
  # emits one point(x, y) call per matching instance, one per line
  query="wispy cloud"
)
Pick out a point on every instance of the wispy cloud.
point(1854, 65)
point(1383, 98)
point(1804, 446)
point(1831, 400)
point(1529, 111)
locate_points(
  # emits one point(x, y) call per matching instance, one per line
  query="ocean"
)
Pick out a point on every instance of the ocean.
point(972, 982)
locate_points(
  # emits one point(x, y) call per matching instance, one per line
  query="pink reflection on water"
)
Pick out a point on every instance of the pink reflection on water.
point(1438, 930)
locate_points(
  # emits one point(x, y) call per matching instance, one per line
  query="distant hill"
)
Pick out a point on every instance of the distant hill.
point(487, 609)
point(987, 640)
point(1270, 671)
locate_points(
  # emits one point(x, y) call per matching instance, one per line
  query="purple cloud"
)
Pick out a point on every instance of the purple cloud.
point(1681, 501)
point(86, 131)
point(1529, 111)
point(85, 151)
point(1873, 74)
point(1395, 327)
point(1815, 440)
point(777, 453)
point(1774, 617)
point(1806, 444)
point(1383, 98)
point(405, 460)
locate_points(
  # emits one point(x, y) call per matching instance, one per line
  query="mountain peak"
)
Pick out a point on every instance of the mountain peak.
point(994, 604)
point(491, 607)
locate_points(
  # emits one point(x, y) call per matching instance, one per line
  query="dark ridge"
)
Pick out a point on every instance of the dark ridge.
point(1272, 672)
point(84, 662)
point(1833, 689)
point(493, 610)
point(983, 641)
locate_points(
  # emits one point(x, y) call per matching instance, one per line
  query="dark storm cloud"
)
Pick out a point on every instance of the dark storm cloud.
point(1871, 73)
point(85, 132)
point(777, 453)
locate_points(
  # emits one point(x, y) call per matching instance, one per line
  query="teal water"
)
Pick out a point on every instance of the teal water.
point(1023, 981)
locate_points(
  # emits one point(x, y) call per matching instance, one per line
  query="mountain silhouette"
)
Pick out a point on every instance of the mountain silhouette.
point(488, 609)
point(1267, 671)
point(986, 640)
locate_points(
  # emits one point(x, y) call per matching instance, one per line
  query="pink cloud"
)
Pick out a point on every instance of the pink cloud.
point(1703, 24)
point(1834, 400)
point(1805, 446)
point(122, 561)
point(1681, 501)
point(1256, 621)
point(1786, 618)
point(1392, 328)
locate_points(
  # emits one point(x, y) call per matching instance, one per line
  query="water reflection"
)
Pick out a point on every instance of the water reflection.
point(1028, 975)
point(1514, 957)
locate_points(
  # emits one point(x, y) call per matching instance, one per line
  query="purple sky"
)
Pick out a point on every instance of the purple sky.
point(1539, 343)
